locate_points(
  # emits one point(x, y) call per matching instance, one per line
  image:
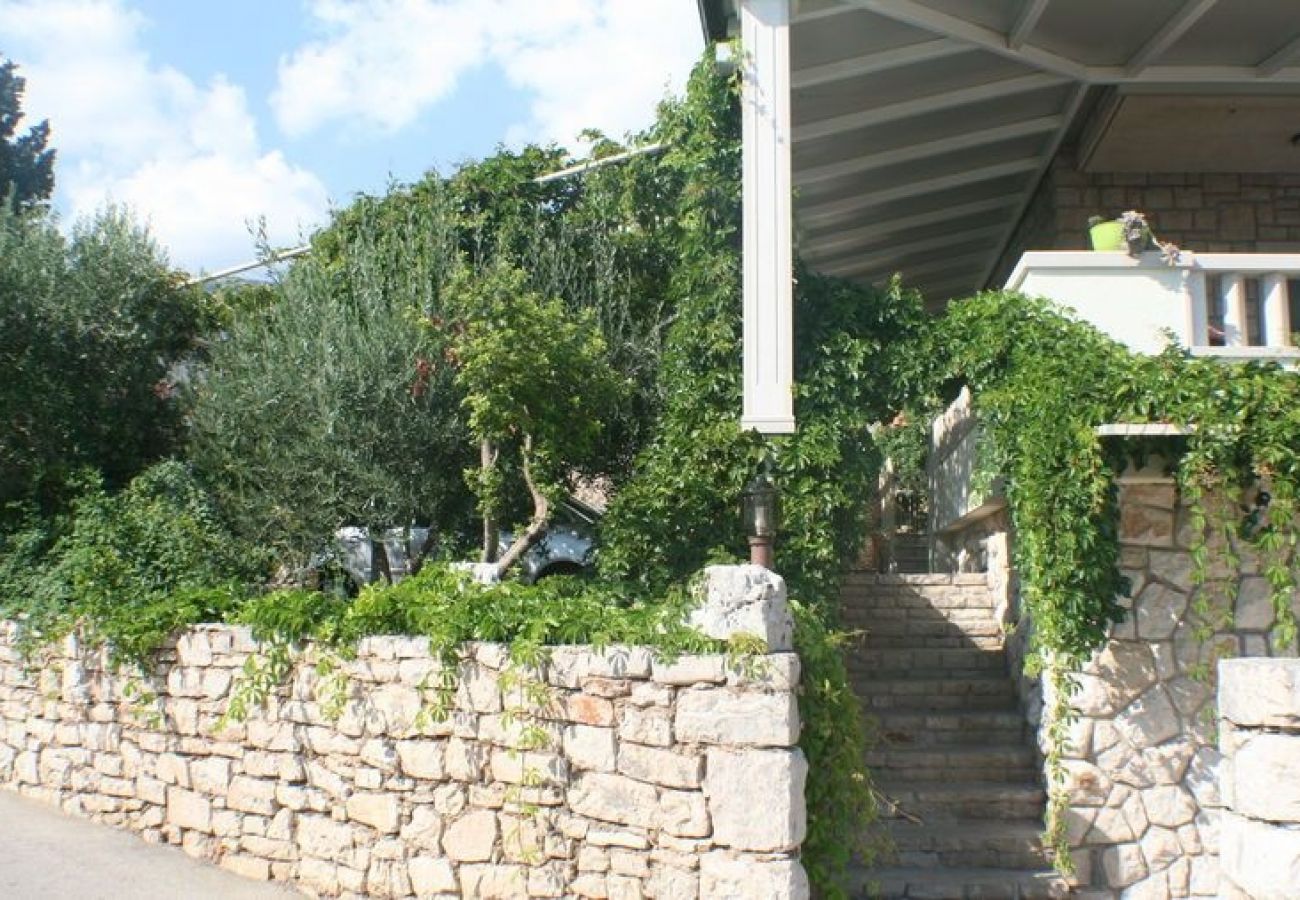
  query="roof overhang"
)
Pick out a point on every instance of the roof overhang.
point(921, 129)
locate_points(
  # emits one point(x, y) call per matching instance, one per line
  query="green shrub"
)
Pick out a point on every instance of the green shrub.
point(131, 568)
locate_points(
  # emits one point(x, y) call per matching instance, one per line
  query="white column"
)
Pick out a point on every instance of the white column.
point(768, 254)
point(1197, 312)
point(1277, 312)
point(1234, 310)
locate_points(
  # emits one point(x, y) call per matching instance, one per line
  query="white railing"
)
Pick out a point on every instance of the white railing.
point(1234, 305)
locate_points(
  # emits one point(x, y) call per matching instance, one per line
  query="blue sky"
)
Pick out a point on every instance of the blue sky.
point(204, 116)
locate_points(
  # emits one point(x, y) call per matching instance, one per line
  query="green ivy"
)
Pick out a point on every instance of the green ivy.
point(1042, 382)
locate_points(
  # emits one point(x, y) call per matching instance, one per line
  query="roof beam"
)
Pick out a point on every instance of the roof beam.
point(887, 256)
point(928, 149)
point(1200, 75)
point(1026, 22)
point(940, 265)
point(907, 109)
point(857, 66)
point(835, 210)
point(798, 16)
point(1279, 59)
point(1168, 35)
point(827, 245)
point(921, 16)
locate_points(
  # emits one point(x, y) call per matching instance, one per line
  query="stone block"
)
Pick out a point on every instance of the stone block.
point(651, 725)
point(687, 670)
point(739, 783)
point(1123, 865)
point(589, 747)
point(1261, 858)
point(189, 810)
point(1254, 610)
point(421, 759)
point(1260, 692)
point(585, 709)
point(1158, 611)
point(725, 875)
point(683, 814)
point(1149, 720)
point(745, 600)
point(1265, 777)
point(728, 716)
point(431, 875)
point(424, 831)
point(615, 798)
point(472, 837)
point(381, 812)
point(210, 775)
point(252, 795)
point(660, 766)
point(322, 837)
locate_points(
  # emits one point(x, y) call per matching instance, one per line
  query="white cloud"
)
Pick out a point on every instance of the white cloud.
point(582, 63)
point(184, 156)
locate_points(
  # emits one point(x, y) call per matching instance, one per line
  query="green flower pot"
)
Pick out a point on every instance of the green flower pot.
point(1107, 236)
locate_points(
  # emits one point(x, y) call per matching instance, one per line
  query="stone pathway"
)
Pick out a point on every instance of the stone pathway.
point(49, 855)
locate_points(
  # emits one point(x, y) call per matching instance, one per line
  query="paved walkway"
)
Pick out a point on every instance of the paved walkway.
point(48, 855)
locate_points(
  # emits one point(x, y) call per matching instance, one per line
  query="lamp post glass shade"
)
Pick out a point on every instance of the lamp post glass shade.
point(761, 511)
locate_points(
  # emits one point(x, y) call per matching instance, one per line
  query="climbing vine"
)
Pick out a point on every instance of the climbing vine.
point(1042, 382)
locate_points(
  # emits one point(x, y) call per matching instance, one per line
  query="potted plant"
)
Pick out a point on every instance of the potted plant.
point(1131, 233)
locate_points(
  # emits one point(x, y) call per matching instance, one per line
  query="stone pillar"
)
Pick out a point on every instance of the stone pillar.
point(1259, 778)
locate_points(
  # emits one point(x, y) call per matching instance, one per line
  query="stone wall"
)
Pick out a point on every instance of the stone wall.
point(1259, 733)
point(1143, 764)
point(603, 773)
point(1206, 212)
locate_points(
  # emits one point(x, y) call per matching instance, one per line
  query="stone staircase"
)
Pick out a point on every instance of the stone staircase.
point(953, 752)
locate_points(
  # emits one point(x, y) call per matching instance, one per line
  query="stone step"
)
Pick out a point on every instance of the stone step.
point(954, 801)
point(921, 694)
point(965, 845)
point(867, 601)
point(936, 626)
point(955, 640)
point(909, 658)
point(1008, 763)
point(923, 883)
point(951, 728)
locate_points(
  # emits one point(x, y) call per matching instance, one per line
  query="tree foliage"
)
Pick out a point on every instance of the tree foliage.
point(91, 328)
point(26, 163)
point(538, 387)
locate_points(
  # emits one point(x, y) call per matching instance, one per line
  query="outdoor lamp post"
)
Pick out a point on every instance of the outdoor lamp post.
point(761, 513)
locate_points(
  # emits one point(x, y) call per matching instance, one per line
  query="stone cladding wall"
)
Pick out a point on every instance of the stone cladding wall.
point(1259, 733)
point(1143, 766)
point(631, 777)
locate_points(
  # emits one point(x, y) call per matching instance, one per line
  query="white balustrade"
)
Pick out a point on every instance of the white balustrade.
point(1229, 305)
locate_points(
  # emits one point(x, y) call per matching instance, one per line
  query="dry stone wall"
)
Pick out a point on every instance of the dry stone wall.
point(1259, 734)
point(603, 773)
point(1143, 766)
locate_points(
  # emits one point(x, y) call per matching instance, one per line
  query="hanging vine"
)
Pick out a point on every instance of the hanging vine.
point(1042, 382)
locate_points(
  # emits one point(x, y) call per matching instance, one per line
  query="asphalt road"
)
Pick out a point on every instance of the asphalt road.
point(47, 855)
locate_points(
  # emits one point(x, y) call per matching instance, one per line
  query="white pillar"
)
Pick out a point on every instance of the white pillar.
point(1197, 312)
point(768, 253)
point(1277, 312)
point(1234, 310)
